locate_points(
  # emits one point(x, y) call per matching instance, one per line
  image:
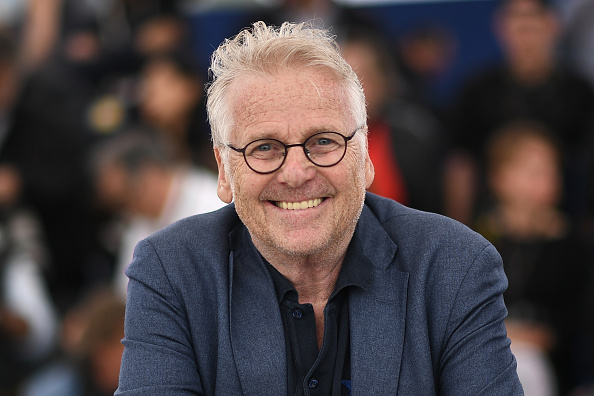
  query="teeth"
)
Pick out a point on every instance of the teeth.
point(299, 205)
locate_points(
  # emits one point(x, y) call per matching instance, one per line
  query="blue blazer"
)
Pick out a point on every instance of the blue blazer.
point(202, 320)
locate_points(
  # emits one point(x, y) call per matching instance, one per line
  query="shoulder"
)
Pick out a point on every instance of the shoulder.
point(402, 222)
point(202, 239)
point(206, 228)
point(191, 255)
point(428, 241)
point(574, 83)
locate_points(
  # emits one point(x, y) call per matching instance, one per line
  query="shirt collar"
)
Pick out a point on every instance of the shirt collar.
point(356, 268)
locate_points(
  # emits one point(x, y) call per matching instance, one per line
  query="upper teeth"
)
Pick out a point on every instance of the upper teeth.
point(299, 205)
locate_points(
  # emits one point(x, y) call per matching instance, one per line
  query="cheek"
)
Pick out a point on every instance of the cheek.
point(356, 167)
point(244, 182)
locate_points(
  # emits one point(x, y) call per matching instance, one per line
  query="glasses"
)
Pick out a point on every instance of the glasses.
point(323, 149)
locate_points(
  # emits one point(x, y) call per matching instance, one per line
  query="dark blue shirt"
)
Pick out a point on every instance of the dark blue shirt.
point(326, 370)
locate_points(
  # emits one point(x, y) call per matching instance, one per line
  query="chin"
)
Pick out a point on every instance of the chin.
point(299, 245)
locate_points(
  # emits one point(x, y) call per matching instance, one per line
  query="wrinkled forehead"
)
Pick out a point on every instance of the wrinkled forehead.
point(286, 94)
point(322, 80)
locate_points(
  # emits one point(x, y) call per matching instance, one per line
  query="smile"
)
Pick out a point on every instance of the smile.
point(299, 205)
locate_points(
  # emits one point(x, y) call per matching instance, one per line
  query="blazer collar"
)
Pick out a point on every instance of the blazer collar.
point(257, 335)
point(378, 315)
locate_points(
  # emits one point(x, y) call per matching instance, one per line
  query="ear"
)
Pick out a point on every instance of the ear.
point(369, 171)
point(224, 187)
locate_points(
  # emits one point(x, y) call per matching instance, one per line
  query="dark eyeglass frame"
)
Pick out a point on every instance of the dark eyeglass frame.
point(288, 146)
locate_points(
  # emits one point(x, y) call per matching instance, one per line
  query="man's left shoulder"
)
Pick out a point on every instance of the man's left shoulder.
point(411, 228)
point(390, 213)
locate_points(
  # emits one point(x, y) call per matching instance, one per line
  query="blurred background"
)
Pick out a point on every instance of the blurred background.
point(481, 110)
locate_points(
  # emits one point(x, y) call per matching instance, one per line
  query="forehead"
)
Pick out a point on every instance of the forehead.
point(525, 8)
point(289, 102)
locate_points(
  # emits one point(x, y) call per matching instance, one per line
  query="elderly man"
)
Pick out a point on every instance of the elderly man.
point(305, 284)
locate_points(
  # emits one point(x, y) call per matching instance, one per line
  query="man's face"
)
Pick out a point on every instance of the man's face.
point(291, 106)
point(365, 63)
point(168, 95)
point(528, 31)
point(530, 179)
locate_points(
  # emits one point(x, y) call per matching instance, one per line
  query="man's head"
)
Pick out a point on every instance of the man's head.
point(288, 84)
point(370, 58)
point(524, 166)
point(132, 174)
point(172, 90)
point(528, 31)
point(268, 50)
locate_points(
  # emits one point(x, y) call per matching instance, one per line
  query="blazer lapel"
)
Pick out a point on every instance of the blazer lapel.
point(378, 316)
point(257, 335)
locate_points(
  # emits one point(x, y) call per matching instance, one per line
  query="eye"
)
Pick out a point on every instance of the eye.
point(324, 141)
point(263, 147)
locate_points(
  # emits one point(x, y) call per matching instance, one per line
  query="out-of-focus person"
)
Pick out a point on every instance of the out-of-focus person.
point(28, 319)
point(529, 84)
point(171, 102)
point(90, 350)
point(138, 180)
point(548, 264)
point(425, 53)
point(8, 80)
point(404, 137)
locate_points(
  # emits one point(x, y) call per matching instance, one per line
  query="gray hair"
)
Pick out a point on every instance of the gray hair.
point(268, 49)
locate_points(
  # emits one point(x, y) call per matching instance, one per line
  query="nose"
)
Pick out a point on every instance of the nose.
point(297, 168)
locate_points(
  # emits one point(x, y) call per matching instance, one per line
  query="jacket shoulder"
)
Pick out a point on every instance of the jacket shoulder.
point(206, 229)
point(415, 230)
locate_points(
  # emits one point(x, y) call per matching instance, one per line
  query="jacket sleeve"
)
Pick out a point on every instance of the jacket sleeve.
point(476, 358)
point(158, 356)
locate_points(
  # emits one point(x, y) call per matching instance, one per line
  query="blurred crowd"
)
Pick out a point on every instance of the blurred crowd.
point(104, 140)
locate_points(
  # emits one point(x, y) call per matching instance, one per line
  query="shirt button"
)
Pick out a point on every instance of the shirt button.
point(313, 383)
point(297, 314)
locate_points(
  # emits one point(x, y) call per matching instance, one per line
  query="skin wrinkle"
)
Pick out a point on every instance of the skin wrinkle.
point(248, 115)
point(325, 109)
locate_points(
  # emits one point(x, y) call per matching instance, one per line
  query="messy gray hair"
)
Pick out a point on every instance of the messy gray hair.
point(268, 49)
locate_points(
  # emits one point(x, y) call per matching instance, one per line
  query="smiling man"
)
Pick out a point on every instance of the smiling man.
point(305, 284)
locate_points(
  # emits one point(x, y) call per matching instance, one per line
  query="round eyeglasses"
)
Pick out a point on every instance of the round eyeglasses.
point(323, 149)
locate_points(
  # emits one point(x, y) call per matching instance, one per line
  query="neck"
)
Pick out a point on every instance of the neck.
point(533, 222)
point(313, 276)
point(532, 73)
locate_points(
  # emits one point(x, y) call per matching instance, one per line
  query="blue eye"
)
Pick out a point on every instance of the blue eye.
point(324, 141)
point(263, 147)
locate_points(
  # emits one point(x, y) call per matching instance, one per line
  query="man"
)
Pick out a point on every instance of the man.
point(529, 84)
point(141, 185)
point(306, 285)
point(405, 139)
